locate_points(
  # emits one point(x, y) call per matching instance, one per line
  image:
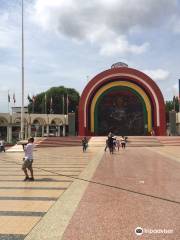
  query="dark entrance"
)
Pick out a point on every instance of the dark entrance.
point(121, 111)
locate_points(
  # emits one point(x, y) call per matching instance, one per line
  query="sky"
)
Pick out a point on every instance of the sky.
point(68, 42)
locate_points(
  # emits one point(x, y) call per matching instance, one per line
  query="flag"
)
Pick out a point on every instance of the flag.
point(63, 104)
point(45, 103)
point(29, 98)
point(174, 102)
point(51, 103)
point(67, 102)
point(14, 98)
point(9, 98)
point(33, 98)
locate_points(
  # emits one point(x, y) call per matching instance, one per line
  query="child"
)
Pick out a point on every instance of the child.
point(84, 144)
point(28, 159)
point(118, 144)
point(123, 142)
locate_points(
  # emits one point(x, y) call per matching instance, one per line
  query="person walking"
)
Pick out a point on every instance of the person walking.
point(106, 145)
point(123, 142)
point(110, 144)
point(28, 159)
point(84, 144)
point(118, 144)
point(2, 147)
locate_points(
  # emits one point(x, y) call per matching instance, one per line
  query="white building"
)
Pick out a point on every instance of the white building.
point(35, 125)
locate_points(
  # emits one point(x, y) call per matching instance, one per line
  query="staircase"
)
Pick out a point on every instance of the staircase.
point(133, 141)
point(59, 142)
point(143, 141)
point(169, 141)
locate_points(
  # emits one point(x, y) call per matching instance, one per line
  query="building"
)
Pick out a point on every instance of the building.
point(124, 101)
point(35, 125)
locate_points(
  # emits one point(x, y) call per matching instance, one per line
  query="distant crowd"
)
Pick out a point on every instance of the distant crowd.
point(113, 143)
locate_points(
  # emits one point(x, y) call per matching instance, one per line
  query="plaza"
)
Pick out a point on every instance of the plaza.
point(92, 195)
point(89, 120)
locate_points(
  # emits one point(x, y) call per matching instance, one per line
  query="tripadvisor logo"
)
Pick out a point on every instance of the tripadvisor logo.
point(139, 231)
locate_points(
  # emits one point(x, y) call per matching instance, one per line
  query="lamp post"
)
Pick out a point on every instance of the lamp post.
point(22, 103)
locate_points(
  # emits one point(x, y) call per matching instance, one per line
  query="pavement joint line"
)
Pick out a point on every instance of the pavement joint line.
point(105, 185)
point(29, 198)
point(55, 222)
point(22, 213)
point(37, 180)
point(35, 188)
point(12, 236)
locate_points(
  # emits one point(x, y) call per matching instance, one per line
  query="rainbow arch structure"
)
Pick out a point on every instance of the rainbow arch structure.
point(132, 80)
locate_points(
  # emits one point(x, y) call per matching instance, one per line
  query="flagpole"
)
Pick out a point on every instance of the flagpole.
point(22, 106)
point(8, 100)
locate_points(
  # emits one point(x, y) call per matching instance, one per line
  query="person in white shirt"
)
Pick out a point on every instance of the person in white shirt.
point(2, 148)
point(118, 144)
point(28, 159)
point(123, 142)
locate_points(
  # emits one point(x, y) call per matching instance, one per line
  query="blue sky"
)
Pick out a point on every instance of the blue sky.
point(68, 42)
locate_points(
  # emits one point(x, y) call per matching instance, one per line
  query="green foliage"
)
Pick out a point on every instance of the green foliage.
point(43, 104)
point(170, 105)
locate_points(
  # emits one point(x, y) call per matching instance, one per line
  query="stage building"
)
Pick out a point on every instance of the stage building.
point(124, 101)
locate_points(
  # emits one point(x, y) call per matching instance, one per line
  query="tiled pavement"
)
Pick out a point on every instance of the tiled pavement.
point(134, 187)
point(23, 204)
point(137, 188)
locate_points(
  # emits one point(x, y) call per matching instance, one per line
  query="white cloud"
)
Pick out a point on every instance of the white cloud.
point(175, 24)
point(175, 87)
point(158, 74)
point(7, 32)
point(106, 22)
point(122, 46)
point(77, 18)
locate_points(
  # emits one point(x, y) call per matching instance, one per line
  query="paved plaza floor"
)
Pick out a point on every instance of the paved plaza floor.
point(92, 195)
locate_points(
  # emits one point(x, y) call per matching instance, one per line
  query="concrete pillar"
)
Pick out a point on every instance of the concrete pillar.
point(59, 131)
point(43, 131)
point(29, 130)
point(47, 130)
point(64, 130)
point(172, 122)
point(26, 132)
point(9, 134)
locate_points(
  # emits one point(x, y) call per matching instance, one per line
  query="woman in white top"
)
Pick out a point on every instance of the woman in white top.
point(2, 148)
point(123, 142)
point(28, 159)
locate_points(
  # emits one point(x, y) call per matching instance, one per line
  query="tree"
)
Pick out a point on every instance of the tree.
point(171, 105)
point(54, 100)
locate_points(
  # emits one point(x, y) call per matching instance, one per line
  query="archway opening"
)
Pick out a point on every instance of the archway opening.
point(121, 111)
